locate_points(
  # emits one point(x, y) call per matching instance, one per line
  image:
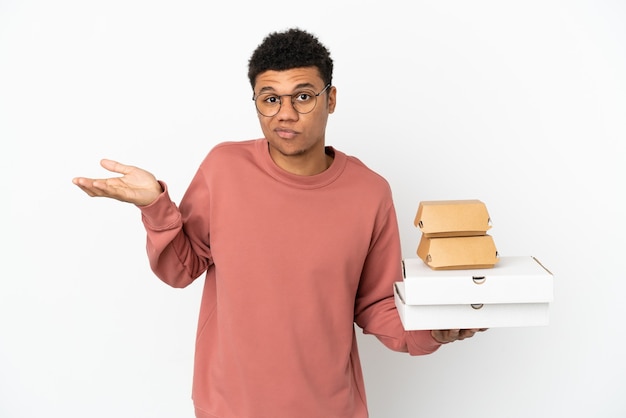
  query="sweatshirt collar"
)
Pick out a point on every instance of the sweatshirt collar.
point(303, 182)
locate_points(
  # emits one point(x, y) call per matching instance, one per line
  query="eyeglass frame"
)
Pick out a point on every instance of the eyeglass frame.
point(291, 96)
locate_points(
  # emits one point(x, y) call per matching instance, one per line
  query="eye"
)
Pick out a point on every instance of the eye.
point(303, 96)
point(269, 99)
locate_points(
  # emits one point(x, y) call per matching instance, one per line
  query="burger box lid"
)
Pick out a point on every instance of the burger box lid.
point(464, 316)
point(441, 218)
point(458, 252)
point(515, 279)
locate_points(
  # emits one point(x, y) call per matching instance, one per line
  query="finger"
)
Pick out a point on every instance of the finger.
point(466, 333)
point(96, 187)
point(84, 183)
point(92, 187)
point(440, 335)
point(452, 335)
point(89, 184)
point(81, 183)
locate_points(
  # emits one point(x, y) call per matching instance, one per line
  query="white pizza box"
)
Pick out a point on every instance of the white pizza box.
point(514, 279)
point(464, 316)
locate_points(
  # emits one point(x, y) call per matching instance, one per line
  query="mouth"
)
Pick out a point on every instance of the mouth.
point(286, 133)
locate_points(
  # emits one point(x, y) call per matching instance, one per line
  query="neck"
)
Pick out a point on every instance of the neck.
point(302, 164)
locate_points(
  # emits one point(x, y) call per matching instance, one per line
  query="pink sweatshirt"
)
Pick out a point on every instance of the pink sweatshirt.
point(291, 262)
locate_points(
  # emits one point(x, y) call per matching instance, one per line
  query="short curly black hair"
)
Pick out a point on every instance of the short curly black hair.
point(293, 48)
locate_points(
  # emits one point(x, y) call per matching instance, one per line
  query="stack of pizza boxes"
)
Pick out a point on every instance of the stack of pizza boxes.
point(459, 281)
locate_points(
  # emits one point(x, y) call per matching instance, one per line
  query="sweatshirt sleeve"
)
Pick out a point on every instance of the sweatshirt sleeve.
point(375, 310)
point(171, 253)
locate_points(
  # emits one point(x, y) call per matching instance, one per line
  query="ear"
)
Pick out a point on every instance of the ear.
point(332, 99)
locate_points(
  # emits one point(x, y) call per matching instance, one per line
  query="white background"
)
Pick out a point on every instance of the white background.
point(519, 104)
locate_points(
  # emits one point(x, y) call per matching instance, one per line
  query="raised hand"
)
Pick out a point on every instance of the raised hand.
point(136, 186)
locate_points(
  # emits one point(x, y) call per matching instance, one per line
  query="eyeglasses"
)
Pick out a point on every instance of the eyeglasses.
point(303, 101)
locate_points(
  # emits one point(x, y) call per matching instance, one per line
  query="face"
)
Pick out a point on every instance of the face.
point(294, 138)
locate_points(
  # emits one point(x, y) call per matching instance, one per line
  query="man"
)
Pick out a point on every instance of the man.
point(298, 242)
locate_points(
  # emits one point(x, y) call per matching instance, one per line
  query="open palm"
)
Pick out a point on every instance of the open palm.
point(135, 186)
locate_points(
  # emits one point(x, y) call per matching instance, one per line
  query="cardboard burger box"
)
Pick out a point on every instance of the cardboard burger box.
point(452, 218)
point(454, 234)
point(459, 253)
point(516, 292)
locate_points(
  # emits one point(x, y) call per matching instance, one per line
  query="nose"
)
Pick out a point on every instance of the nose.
point(287, 111)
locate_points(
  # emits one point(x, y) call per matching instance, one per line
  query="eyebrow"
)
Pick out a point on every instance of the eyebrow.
point(297, 87)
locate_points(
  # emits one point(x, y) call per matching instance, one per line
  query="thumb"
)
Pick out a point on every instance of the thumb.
point(115, 166)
